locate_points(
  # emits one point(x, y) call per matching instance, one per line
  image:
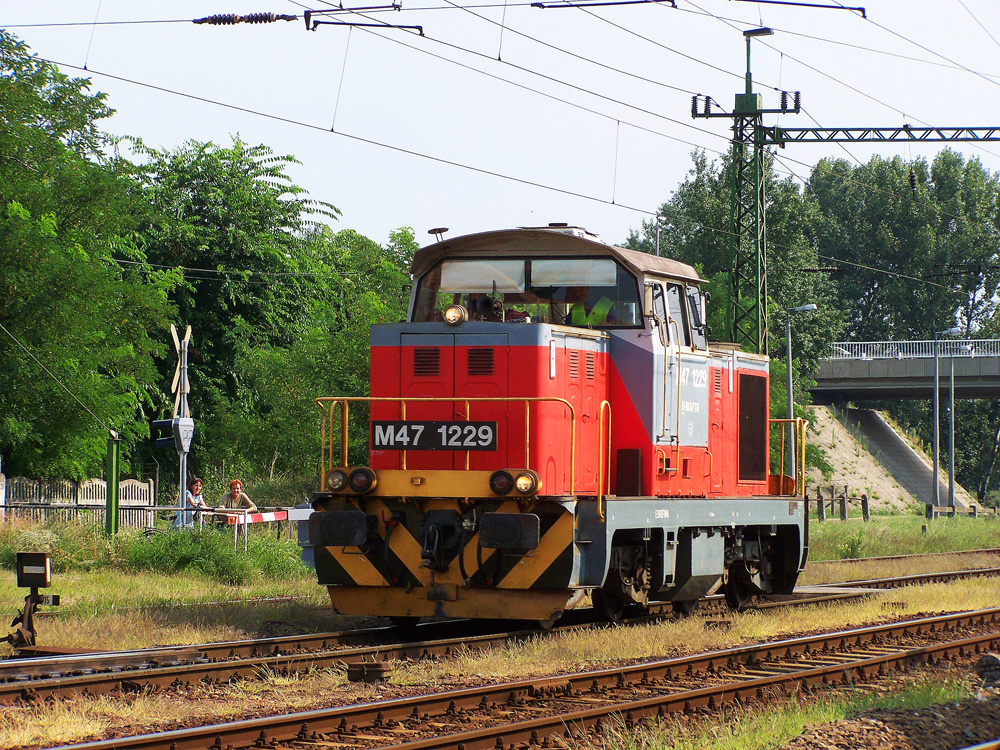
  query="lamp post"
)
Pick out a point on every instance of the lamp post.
point(951, 431)
point(660, 221)
point(748, 35)
point(971, 351)
point(788, 362)
point(935, 490)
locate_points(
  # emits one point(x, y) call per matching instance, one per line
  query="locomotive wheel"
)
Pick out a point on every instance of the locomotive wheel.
point(685, 607)
point(608, 608)
point(738, 588)
point(549, 623)
point(401, 621)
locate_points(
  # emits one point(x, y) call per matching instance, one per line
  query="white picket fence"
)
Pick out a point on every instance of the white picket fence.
point(42, 499)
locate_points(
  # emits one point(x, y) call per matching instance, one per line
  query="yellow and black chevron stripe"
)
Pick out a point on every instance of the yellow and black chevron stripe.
point(393, 555)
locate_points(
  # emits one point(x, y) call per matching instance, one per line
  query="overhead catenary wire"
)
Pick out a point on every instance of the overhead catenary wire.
point(516, 179)
point(357, 138)
point(437, 159)
point(456, 6)
point(525, 3)
point(979, 23)
point(609, 117)
point(538, 74)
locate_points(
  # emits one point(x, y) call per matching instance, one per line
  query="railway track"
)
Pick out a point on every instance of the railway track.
point(216, 663)
point(567, 708)
point(171, 667)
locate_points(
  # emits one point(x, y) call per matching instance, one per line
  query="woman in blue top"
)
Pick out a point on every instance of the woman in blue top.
point(193, 501)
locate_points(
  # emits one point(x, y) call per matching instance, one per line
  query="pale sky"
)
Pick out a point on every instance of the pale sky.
point(585, 117)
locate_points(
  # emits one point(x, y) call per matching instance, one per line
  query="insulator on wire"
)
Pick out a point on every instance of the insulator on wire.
point(220, 19)
point(784, 101)
point(797, 100)
point(228, 19)
point(266, 18)
point(694, 105)
point(913, 182)
point(708, 106)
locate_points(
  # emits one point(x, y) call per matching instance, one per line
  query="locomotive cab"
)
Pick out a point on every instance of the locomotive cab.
point(551, 421)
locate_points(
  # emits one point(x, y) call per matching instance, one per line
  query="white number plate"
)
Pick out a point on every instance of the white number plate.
point(434, 436)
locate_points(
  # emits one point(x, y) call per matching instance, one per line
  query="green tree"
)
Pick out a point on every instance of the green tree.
point(78, 306)
point(231, 220)
point(273, 425)
point(920, 242)
point(695, 230)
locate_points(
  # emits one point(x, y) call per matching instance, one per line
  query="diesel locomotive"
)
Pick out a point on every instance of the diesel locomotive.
point(550, 422)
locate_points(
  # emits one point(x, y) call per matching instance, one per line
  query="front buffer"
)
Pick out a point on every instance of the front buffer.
point(446, 557)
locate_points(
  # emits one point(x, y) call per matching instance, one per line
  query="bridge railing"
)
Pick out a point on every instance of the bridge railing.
point(915, 349)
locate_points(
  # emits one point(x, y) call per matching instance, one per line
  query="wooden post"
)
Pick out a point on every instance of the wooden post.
point(820, 506)
point(865, 514)
point(843, 507)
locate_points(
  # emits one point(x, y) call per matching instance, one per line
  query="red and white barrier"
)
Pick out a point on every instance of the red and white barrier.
point(239, 519)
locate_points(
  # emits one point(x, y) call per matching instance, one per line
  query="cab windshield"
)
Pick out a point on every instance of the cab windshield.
point(585, 292)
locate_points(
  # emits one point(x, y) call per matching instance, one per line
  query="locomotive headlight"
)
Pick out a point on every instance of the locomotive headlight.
point(336, 480)
point(526, 483)
point(455, 314)
point(362, 480)
point(501, 482)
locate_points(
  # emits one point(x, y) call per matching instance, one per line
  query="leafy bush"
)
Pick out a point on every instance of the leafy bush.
point(72, 546)
point(208, 552)
point(277, 559)
point(851, 548)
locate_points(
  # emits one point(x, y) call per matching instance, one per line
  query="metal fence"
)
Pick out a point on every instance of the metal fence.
point(949, 347)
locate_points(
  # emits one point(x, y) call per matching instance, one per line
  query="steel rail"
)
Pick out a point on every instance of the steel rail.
point(580, 723)
point(222, 662)
point(324, 726)
point(224, 671)
point(919, 579)
point(114, 671)
point(859, 560)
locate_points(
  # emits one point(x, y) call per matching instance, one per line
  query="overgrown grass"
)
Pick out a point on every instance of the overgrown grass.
point(900, 535)
point(208, 553)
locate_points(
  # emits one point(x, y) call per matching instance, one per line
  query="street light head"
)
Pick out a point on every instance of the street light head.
point(764, 31)
point(950, 332)
point(804, 308)
point(661, 220)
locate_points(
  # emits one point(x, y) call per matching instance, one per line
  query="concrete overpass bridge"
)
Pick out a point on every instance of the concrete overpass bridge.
point(901, 370)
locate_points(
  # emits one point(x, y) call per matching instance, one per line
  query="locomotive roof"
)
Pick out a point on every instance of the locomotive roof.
point(536, 242)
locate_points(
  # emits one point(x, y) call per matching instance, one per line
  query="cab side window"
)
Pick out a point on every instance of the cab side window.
point(678, 315)
point(696, 311)
point(659, 310)
point(659, 306)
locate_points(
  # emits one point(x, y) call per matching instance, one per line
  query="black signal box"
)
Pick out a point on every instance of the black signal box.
point(34, 570)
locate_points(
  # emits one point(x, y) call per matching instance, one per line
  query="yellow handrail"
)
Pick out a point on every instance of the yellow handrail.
point(344, 402)
point(603, 466)
point(799, 435)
